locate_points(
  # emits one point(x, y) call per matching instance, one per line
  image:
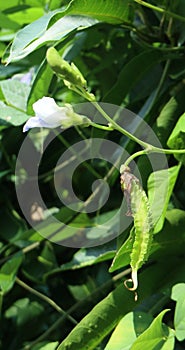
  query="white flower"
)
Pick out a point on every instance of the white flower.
point(49, 115)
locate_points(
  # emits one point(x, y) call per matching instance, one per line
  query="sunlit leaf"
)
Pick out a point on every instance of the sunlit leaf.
point(160, 187)
point(155, 336)
point(127, 330)
point(178, 292)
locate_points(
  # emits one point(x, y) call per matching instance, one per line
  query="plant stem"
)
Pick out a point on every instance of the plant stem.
point(118, 127)
point(102, 127)
point(150, 150)
point(46, 299)
point(159, 9)
point(137, 154)
point(148, 147)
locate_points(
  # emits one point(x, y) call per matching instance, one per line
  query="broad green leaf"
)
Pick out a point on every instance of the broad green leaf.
point(90, 256)
point(160, 187)
point(122, 257)
point(11, 116)
point(24, 312)
point(155, 336)
point(45, 346)
point(15, 93)
point(27, 15)
point(102, 228)
point(12, 227)
point(127, 330)
point(6, 22)
point(111, 11)
point(16, 5)
point(28, 34)
point(8, 272)
point(40, 85)
point(106, 314)
point(169, 114)
point(36, 34)
point(131, 73)
point(177, 138)
point(178, 292)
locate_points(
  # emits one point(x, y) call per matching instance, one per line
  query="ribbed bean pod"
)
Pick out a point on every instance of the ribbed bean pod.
point(139, 208)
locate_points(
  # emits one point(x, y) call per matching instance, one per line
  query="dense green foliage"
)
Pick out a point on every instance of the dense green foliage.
point(130, 53)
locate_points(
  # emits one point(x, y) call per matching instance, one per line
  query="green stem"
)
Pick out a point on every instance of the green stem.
point(102, 127)
point(113, 125)
point(137, 154)
point(150, 150)
point(118, 127)
point(159, 9)
point(148, 147)
point(46, 299)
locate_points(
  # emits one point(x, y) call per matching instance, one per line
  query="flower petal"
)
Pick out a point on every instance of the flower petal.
point(47, 110)
point(35, 122)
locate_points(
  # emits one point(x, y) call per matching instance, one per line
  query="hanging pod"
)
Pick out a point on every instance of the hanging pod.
point(139, 208)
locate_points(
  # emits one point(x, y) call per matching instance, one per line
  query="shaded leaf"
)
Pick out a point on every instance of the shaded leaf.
point(131, 73)
point(8, 272)
point(90, 256)
point(169, 114)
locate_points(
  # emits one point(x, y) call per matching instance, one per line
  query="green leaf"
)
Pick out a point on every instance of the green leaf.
point(25, 312)
point(131, 73)
point(160, 187)
point(170, 241)
point(169, 114)
point(90, 256)
point(47, 256)
point(40, 85)
point(15, 93)
point(28, 39)
point(178, 292)
point(106, 314)
point(27, 35)
point(45, 346)
point(127, 330)
point(110, 11)
point(36, 34)
point(155, 336)
point(8, 23)
point(27, 15)
point(12, 116)
point(177, 138)
point(122, 257)
point(8, 272)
